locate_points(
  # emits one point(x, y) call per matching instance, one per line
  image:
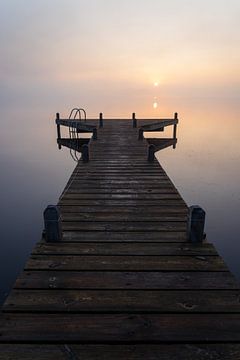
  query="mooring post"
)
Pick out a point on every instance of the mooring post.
point(134, 120)
point(52, 224)
point(95, 134)
point(100, 120)
point(85, 153)
point(196, 224)
point(151, 151)
point(175, 126)
point(58, 131)
point(140, 134)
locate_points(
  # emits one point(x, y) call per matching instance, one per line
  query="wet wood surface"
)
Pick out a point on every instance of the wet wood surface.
point(124, 283)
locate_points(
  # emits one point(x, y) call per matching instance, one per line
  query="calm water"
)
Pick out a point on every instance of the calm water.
point(204, 167)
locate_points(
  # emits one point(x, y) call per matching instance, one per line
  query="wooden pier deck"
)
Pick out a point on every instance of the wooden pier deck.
point(124, 282)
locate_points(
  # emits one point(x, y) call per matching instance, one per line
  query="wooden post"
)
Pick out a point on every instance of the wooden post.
point(196, 224)
point(95, 134)
point(100, 120)
point(175, 126)
point(52, 223)
point(85, 153)
point(58, 131)
point(140, 134)
point(151, 151)
point(134, 120)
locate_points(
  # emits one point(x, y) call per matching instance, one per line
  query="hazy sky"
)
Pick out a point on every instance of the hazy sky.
point(103, 51)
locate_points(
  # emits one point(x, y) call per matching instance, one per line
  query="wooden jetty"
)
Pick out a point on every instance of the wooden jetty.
point(117, 275)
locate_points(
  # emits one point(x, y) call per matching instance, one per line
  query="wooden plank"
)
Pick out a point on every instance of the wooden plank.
point(124, 226)
point(126, 280)
point(123, 301)
point(115, 171)
point(120, 248)
point(122, 209)
point(127, 263)
point(123, 187)
point(187, 351)
point(113, 177)
point(124, 203)
point(119, 328)
point(146, 178)
point(80, 125)
point(140, 192)
point(115, 196)
point(118, 216)
point(125, 236)
point(159, 124)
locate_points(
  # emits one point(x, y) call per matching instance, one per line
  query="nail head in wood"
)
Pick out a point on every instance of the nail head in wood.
point(196, 224)
point(85, 153)
point(52, 223)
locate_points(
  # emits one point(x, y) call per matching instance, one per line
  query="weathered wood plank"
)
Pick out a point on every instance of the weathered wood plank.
point(159, 124)
point(126, 263)
point(124, 226)
point(126, 280)
point(98, 216)
point(122, 209)
point(119, 248)
point(120, 328)
point(122, 301)
point(80, 125)
point(112, 191)
point(187, 351)
point(115, 177)
point(125, 236)
point(124, 203)
point(144, 199)
point(84, 178)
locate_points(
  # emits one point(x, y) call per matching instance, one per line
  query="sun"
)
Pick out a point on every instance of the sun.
point(156, 83)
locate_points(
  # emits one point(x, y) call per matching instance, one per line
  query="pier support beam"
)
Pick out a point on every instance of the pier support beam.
point(85, 153)
point(100, 120)
point(58, 131)
point(196, 224)
point(175, 126)
point(134, 120)
point(52, 223)
point(151, 152)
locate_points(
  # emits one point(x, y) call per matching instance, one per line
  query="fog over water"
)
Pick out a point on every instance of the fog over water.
point(118, 58)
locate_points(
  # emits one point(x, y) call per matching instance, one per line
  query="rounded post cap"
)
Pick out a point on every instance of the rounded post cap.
point(51, 212)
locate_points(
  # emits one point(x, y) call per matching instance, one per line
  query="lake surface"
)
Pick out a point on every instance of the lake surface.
point(205, 167)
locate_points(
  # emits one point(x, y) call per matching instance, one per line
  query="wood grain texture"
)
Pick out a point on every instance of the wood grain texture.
point(119, 328)
point(174, 280)
point(125, 236)
point(121, 248)
point(186, 351)
point(126, 262)
point(123, 301)
point(124, 283)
